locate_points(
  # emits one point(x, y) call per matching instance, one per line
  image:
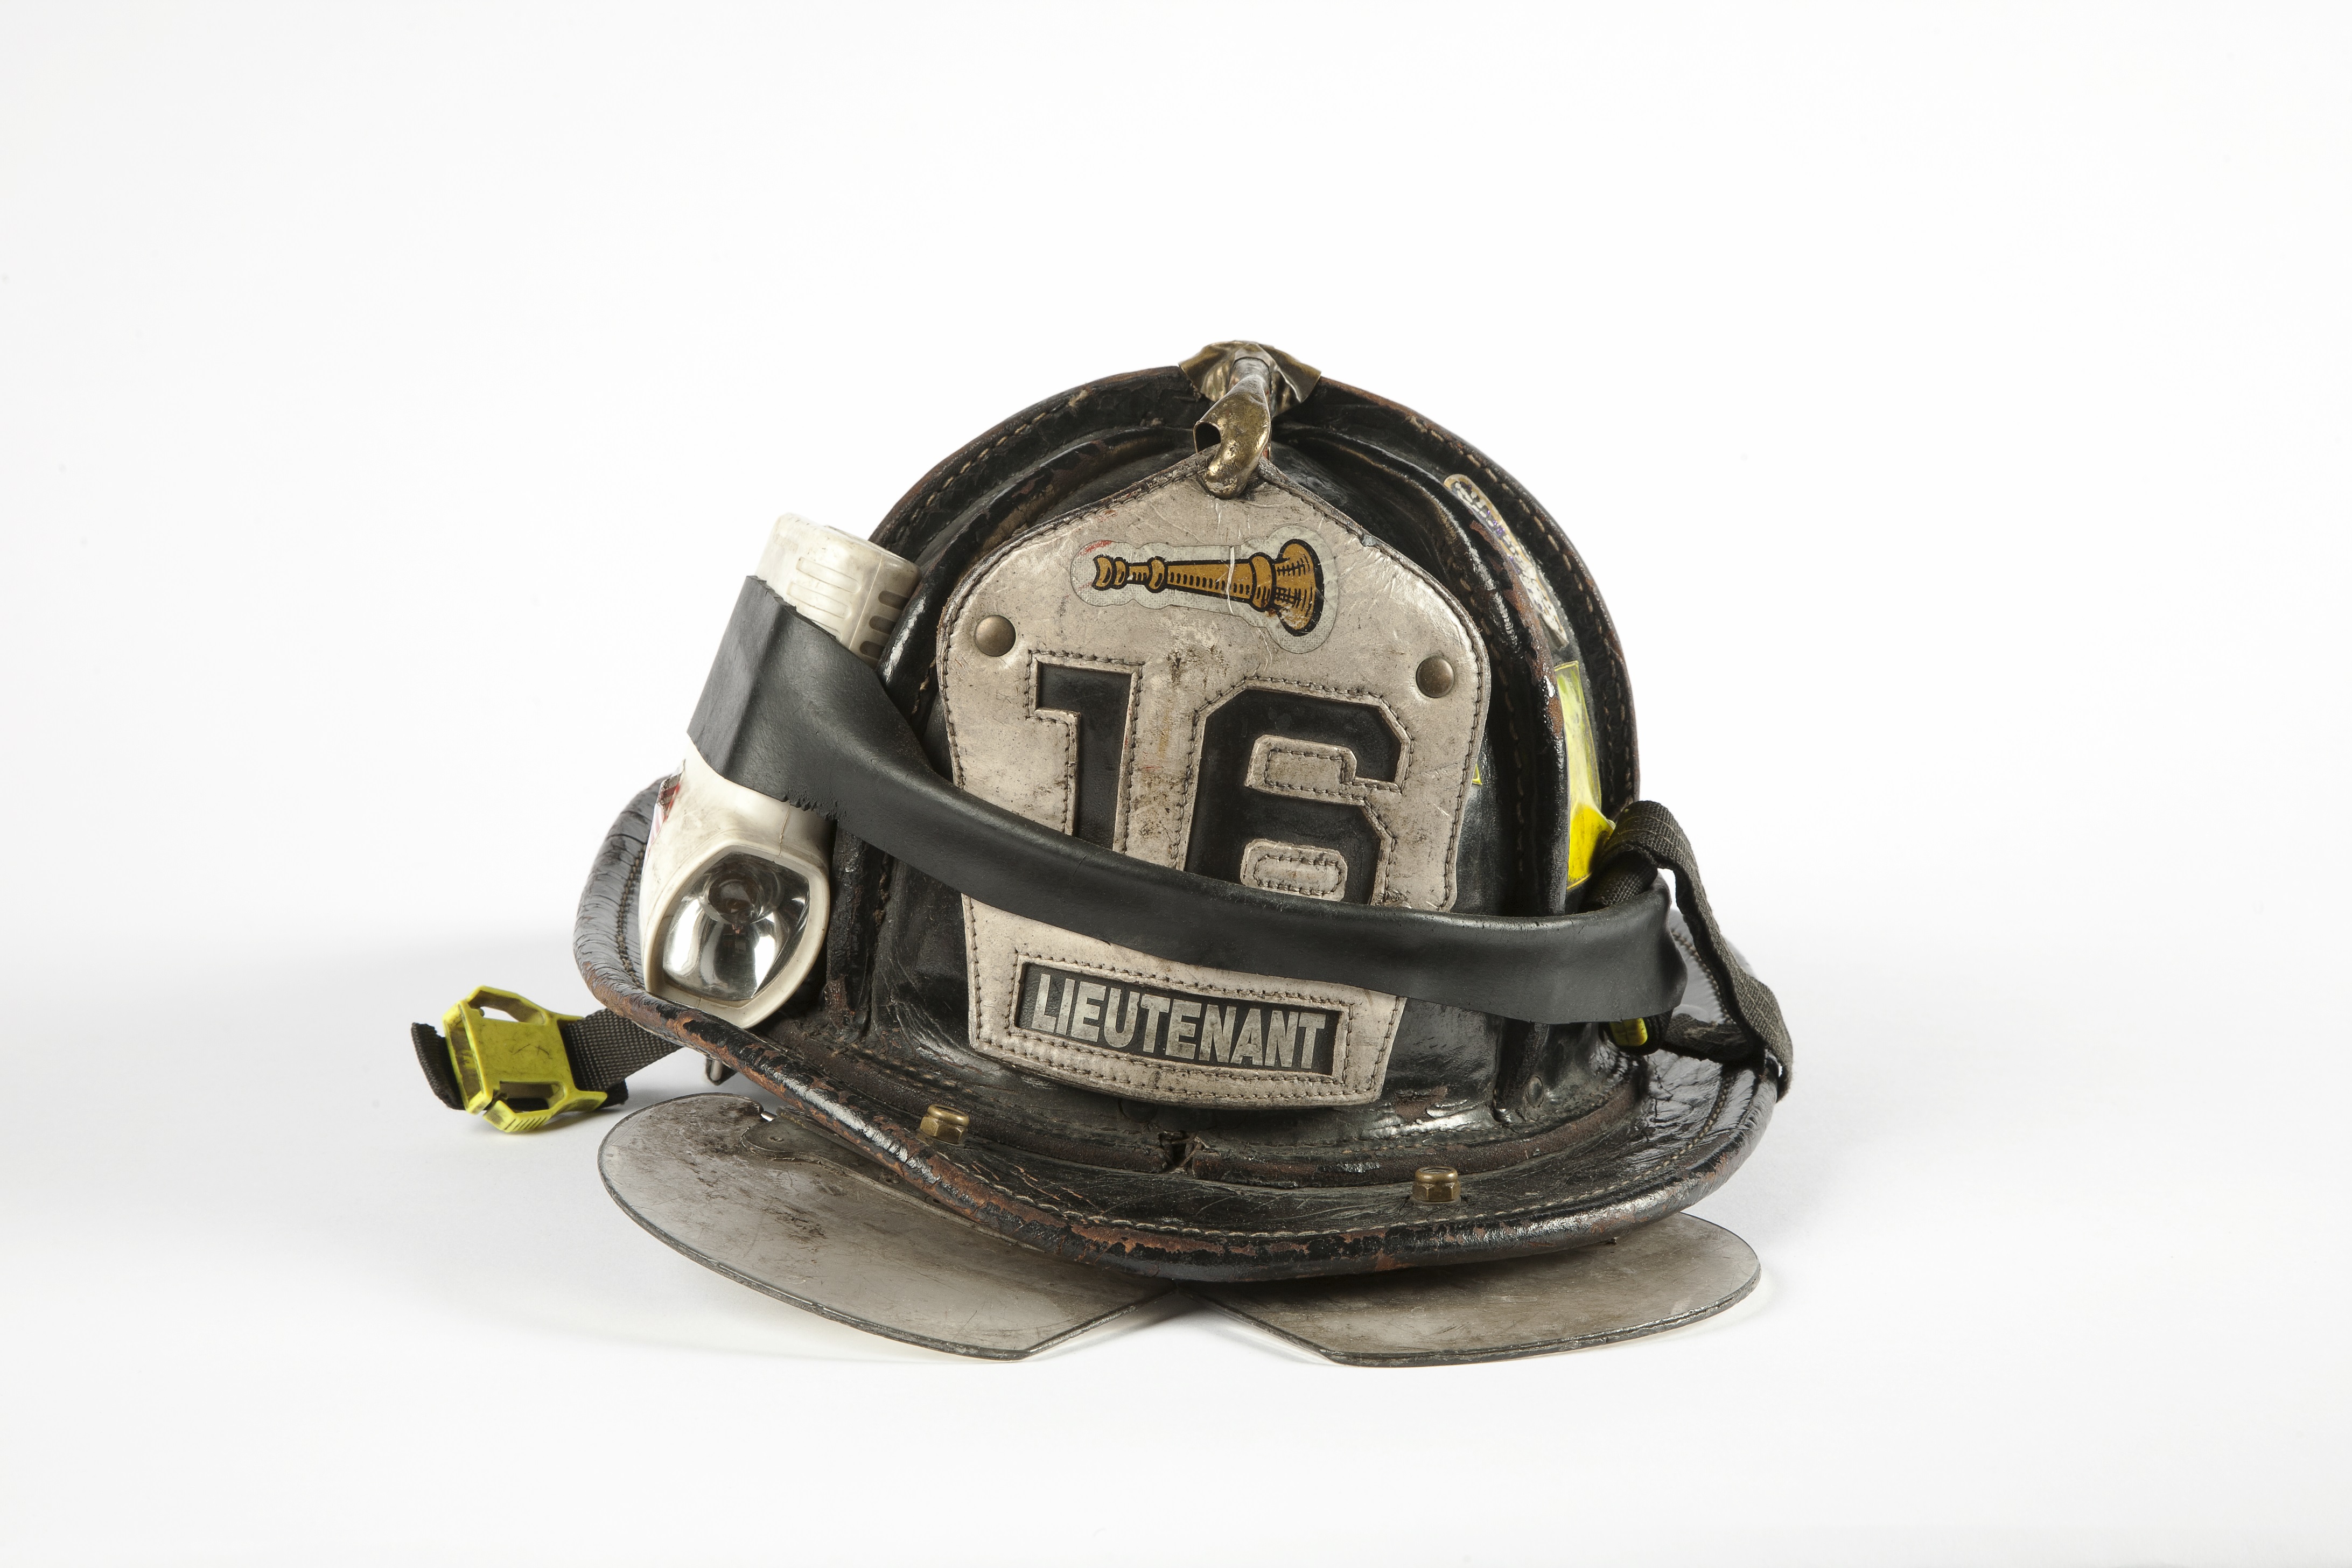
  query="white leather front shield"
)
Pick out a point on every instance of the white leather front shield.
point(1254, 690)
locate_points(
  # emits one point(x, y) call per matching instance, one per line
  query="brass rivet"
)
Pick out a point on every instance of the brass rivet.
point(1435, 676)
point(1630, 1033)
point(941, 1125)
point(1436, 1184)
point(993, 636)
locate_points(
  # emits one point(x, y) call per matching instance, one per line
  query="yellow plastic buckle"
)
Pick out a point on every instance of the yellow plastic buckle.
point(513, 1069)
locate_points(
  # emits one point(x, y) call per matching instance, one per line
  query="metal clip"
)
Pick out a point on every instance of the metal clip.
point(514, 1070)
point(1251, 384)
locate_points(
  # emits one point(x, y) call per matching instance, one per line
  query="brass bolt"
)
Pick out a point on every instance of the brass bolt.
point(941, 1125)
point(1435, 676)
point(1437, 1185)
point(993, 636)
point(1630, 1033)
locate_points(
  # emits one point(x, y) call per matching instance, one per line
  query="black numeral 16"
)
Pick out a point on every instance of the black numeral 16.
point(1227, 814)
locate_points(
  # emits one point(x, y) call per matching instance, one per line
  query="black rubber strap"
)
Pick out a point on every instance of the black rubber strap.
point(791, 714)
point(604, 1049)
point(1648, 840)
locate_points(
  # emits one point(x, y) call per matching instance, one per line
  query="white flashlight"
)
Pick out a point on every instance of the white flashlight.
point(736, 892)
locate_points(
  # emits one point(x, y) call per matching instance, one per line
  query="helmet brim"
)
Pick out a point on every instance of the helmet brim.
point(1691, 1127)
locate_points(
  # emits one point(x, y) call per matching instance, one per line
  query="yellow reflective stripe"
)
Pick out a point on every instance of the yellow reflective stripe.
point(1587, 831)
point(1586, 826)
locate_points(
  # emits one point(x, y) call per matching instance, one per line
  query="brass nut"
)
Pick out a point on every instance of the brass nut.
point(1435, 676)
point(1437, 1185)
point(993, 636)
point(941, 1125)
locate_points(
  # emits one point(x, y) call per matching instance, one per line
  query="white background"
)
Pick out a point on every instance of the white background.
point(1955, 404)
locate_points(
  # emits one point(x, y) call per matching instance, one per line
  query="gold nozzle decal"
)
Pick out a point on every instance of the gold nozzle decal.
point(1287, 586)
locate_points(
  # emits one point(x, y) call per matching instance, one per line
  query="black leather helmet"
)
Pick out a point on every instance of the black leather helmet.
point(1236, 868)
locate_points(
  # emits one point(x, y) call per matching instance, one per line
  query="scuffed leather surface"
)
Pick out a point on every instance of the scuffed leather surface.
point(1689, 1125)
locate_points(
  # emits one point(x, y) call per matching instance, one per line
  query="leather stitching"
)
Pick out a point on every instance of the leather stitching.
point(1267, 872)
point(948, 483)
point(1350, 790)
point(1699, 967)
point(1069, 724)
point(892, 1068)
point(1582, 1199)
point(1197, 720)
point(1615, 701)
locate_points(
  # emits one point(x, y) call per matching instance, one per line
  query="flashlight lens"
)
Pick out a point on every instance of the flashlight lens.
point(735, 928)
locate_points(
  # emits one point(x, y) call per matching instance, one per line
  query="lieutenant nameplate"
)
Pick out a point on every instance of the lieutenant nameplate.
point(1181, 1026)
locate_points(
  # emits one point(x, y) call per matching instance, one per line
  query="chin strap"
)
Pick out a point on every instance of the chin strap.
point(1648, 840)
point(525, 1066)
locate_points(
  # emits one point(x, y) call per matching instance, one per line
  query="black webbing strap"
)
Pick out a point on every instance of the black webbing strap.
point(433, 1056)
point(604, 1049)
point(1648, 840)
point(791, 714)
